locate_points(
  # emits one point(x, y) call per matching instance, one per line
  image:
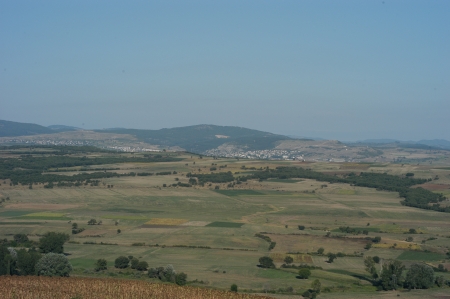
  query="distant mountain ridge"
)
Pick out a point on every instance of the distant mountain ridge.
point(199, 138)
point(13, 129)
point(424, 143)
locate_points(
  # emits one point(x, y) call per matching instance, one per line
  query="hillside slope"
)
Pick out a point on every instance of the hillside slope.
point(200, 138)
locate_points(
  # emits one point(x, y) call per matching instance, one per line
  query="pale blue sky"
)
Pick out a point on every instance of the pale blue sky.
point(343, 70)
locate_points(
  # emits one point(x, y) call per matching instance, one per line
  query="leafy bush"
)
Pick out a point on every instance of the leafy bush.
point(304, 273)
point(101, 264)
point(53, 264)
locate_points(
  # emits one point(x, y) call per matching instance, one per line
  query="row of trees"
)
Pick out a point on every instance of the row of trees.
point(166, 274)
point(32, 262)
point(419, 276)
point(29, 169)
point(413, 197)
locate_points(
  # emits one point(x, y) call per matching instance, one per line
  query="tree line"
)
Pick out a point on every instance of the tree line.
point(413, 197)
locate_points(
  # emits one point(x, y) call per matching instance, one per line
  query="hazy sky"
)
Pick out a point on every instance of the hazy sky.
point(343, 70)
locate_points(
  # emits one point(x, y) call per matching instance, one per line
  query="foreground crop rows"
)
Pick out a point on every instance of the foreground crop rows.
point(91, 288)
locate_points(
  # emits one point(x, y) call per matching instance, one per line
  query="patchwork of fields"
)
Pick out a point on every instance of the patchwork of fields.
point(209, 231)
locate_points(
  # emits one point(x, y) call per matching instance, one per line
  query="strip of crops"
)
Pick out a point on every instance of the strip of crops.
point(38, 287)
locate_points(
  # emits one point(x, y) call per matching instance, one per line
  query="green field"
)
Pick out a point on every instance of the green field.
point(420, 256)
point(14, 213)
point(239, 192)
point(210, 233)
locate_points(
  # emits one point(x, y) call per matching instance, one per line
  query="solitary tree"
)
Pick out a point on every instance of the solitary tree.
point(234, 287)
point(304, 273)
point(288, 259)
point(331, 257)
point(320, 250)
point(266, 262)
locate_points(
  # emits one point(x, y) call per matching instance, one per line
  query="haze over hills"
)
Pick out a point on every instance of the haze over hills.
point(225, 141)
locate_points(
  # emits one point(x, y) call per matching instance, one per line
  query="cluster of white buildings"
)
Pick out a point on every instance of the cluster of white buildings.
point(259, 154)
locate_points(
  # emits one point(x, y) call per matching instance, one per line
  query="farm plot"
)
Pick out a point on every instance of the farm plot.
point(45, 216)
point(225, 224)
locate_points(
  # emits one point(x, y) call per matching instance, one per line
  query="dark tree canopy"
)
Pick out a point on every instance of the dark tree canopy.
point(391, 275)
point(304, 273)
point(121, 262)
point(419, 276)
point(53, 242)
point(266, 262)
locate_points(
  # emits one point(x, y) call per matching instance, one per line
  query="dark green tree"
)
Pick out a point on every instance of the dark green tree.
point(4, 257)
point(391, 275)
point(133, 263)
point(288, 259)
point(26, 261)
point(101, 264)
point(316, 286)
point(304, 273)
point(331, 257)
point(181, 279)
point(121, 262)
point(21, 238)
point(419, 276)
point(320, 250)
point(266, 262)
point(53, 242)
point(234, 287)
point(370, 266)
point(142, 266)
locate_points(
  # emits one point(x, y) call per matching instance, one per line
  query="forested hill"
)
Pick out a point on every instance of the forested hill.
point(13, 129)
point(200, 138)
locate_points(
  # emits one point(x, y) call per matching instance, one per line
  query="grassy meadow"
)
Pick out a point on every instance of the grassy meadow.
point(209, 232)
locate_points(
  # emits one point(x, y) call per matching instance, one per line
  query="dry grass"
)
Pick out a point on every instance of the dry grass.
point(32, 287)
point(298, 258)
point(41, 206)
point(166, 221)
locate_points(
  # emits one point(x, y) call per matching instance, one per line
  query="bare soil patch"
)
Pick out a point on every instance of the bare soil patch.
point(196, 223)
point(435, 187)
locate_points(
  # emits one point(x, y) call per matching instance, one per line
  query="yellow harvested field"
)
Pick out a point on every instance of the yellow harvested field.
point(166, 221)
point(38, 287)
point(45, 214)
